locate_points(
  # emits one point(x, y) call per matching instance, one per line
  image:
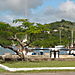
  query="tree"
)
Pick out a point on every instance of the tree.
point(72, 29)
point(9, 33)
point(29, 34)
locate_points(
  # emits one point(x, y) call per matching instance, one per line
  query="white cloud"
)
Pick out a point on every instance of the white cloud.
point(65, 11)
point(13, 9)
point(21, 8)
point(68, 10)
point(68, 6)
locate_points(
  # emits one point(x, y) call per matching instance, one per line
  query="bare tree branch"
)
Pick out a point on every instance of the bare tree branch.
point(17, 39)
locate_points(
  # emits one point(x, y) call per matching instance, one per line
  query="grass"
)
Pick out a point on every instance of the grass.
point(36, 71)
point(2, 70)
point(44, 71)
point(23, 64)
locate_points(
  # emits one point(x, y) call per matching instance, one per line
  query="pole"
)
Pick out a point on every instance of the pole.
point(60, 36)
point(26, 8)
point(72, 38)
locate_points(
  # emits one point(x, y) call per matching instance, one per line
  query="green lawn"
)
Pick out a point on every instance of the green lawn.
point(24, 64)
point(2, 70)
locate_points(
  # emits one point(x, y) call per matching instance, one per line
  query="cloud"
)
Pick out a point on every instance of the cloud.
point(68, 10)
point(7, 18)
point(19, 6)
point(65, 10)
point(68, 6)
point(13, 9)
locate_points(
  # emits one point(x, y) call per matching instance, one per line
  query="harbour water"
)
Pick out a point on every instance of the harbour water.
point(3, 50)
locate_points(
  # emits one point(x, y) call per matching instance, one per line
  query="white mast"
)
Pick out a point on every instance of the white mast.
point(26, 8)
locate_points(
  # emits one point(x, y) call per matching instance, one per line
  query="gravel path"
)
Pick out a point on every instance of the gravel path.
point(51, 73)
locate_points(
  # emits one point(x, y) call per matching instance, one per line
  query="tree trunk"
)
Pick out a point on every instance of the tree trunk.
point(21, 52)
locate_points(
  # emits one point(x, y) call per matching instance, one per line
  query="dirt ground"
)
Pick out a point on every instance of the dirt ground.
point(49, 73)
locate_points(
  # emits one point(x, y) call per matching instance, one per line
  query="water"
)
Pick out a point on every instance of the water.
point(2, 51)
point(48, 51)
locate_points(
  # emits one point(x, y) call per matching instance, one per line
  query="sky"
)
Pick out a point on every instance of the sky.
point(40, 11)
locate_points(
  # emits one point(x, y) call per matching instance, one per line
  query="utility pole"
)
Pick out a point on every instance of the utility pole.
point(72, 38)
point(60, 35)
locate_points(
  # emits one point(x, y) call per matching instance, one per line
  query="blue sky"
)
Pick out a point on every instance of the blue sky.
point(54, 3)
point(51, 3)
point(42, 11)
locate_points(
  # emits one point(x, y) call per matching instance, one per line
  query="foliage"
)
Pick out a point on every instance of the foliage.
point(39, 34)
